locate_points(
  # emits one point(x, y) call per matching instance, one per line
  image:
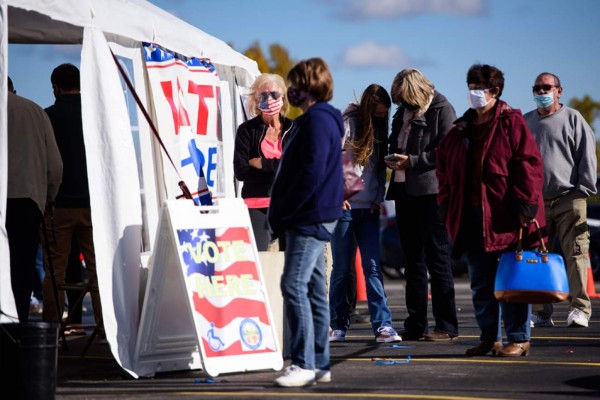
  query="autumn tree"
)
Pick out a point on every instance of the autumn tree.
point(589, 108)
point(278, 62)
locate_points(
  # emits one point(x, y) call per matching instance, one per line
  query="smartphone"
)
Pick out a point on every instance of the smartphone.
point(391, 157)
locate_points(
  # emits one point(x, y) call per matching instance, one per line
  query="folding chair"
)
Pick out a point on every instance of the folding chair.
point(84, 288)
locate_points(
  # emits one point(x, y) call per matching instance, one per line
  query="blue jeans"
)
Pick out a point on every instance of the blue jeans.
point(305, 301)
point(488, 310)
point(357, 227)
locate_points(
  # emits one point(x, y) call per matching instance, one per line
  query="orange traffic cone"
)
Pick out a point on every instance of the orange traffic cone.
point(590, 287)
point(361, 286)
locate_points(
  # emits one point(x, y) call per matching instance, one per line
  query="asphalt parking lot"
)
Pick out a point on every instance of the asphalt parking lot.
point(564, 363)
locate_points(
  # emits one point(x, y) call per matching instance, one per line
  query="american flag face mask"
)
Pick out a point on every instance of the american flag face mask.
point(270, 103)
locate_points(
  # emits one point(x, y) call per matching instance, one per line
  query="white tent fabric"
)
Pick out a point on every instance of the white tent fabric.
point(7, 301)
point(116, 209)
point(62, 21)
point(114, 184)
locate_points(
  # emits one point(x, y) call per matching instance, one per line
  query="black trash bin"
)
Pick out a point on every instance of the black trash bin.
point(28, 358)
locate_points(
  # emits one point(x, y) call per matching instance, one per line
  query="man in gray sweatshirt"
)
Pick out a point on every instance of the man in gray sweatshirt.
point(568, 147)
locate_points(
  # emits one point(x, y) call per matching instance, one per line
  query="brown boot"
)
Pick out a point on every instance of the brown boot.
point(483, 348)
point(514, 349)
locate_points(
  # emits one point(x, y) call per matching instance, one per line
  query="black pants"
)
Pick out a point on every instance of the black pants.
point(23, 218)
point(74, 275)
point(260, 226)
point(427, 249)
point(258, 218)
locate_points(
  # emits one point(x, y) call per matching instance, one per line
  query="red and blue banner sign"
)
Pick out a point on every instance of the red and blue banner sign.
point(186, 98)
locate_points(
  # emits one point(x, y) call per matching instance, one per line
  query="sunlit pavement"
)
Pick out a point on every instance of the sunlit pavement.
point(563, 363)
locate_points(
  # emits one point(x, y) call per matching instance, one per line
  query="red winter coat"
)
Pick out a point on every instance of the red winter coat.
point(512, 178)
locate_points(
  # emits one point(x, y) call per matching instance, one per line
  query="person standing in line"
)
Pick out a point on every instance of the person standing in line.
point(71, 217)
point(490, 175)
point(258, 146)
point(306, 202)
point(423, 117)
point(568, 147)
point(366, 126)
point(33, 178)
point(36, 303)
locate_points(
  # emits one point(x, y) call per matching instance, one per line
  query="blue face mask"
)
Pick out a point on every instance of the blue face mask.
point(544, 100)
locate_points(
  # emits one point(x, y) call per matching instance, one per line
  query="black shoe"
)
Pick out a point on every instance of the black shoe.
point(411, 336)
point(437, 336)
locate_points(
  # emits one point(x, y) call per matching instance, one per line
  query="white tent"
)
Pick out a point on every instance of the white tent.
point(119, 215)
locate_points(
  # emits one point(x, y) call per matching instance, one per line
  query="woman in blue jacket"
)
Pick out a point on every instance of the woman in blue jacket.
point(306, 202)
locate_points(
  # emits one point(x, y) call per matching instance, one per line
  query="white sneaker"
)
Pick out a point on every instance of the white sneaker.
point(337, 336)
point(577, 318)
point(387, 334)
point(294, 376)
point(323, 375)
point(537, 321)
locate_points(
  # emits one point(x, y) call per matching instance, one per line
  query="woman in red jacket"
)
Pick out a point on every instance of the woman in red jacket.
point(490, 175)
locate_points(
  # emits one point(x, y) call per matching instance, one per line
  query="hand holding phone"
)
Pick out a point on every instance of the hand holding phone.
point(391, 157)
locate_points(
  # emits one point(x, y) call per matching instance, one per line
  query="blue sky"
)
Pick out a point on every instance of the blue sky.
point(369, 41)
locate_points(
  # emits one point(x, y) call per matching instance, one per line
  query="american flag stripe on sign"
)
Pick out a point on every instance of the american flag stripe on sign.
point(229, 303)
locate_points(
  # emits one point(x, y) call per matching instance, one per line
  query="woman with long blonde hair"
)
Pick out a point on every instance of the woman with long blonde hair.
point(423, 118)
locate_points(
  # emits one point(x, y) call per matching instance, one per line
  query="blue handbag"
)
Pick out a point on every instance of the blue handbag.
point(531, 277)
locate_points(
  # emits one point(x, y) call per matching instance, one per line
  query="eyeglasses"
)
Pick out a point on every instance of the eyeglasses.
point(547, 88)
point(264, 96)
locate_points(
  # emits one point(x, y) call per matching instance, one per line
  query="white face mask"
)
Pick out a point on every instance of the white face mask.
point(476, 98)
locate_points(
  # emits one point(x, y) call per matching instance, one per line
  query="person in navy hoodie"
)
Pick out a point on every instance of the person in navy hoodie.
point(306, 202)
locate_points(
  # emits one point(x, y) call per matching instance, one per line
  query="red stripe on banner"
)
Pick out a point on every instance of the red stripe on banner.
point(237, 308)
point(164, 64)
point(167, 64)
point(236, 234)
point(239, 268)
point(234, 350)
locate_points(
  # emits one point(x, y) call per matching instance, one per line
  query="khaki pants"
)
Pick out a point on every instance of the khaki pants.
point(66, 224)
point(566, 218)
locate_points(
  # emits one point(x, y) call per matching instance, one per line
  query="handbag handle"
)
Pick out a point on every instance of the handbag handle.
point(544, 251)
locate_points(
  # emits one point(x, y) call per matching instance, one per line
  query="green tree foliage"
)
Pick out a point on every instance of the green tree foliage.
point(279, 62)
point(589, 108)
point(255, 52)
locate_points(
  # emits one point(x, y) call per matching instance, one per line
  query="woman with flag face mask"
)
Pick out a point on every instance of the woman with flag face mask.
point(258, 147)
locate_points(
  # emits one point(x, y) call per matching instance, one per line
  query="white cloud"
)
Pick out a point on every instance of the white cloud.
point(392, 9)
point(370, 54)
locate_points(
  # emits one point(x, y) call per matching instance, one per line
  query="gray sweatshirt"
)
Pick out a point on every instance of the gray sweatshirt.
point(568, 147)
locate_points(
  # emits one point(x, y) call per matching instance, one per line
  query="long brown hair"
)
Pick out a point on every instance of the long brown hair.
point(364, 140)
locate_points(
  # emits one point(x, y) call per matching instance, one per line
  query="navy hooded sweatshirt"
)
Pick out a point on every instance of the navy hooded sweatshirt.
point(308, 188)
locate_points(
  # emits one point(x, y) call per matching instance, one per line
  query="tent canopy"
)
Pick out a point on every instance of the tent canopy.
point(102, 26)
point(62, 22)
